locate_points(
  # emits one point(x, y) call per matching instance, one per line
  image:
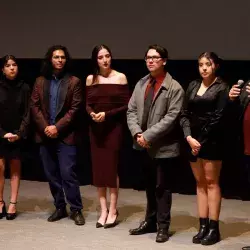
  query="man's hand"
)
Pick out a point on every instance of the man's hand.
point(51, 131)
point(142, 142)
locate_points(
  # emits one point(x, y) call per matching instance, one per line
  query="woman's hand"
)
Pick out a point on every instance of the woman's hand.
point(14, 138)
point(8, 135)
point(248, 89)
point(234, 92)
point(11, 137)
point(99, 117)
point(194, 144)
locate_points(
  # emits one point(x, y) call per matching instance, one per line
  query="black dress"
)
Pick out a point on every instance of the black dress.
point(14, 118)
point(202, 117)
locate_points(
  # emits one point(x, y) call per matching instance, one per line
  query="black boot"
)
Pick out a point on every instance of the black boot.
point(204, 226)
point(213, 235)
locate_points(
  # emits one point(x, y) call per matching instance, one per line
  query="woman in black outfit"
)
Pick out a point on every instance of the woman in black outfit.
point(14, 118)
point(201, 120)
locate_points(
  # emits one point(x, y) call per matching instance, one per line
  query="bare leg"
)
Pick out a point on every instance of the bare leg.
point(103, 202)
point(2, 180)
point(15, 174)
point(113, 203)
point(212, 172)
point(202, 196)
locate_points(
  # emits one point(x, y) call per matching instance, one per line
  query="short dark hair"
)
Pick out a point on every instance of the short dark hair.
point(95, 51)
point(159, 49)
point(47, 68)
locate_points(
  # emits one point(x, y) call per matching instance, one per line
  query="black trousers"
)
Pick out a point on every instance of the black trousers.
point(158, 188)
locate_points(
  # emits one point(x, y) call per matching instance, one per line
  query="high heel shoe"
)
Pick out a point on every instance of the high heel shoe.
point(113, 224)
point(11, 216)
point(3, 213)
point(98, 224)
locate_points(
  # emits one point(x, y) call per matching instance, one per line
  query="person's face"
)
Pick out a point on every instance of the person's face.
point(10, 69)
point(58, 59)
point(154, 61)
point(207, 68)
point(104, 59)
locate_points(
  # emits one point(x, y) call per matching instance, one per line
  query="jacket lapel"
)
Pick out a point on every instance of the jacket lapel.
point(46, 93)
point(165, 84)
point(63, 90)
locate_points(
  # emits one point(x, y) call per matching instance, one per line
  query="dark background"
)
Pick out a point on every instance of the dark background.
point(233, 176)
point(185, 28)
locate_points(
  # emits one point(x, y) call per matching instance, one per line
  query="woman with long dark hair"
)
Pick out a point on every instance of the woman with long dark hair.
point(14, 119)
point(202, 123)
point(107, 99)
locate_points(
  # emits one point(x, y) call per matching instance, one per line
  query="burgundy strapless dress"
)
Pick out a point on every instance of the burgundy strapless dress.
point(106, 137)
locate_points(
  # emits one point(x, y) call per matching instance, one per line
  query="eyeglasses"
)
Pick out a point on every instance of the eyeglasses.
point(58, 57)
point(153, 58)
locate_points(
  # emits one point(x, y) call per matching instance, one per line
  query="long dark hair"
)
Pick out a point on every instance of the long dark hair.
point(211, 56)
point(5, 60)
point(95, 51)
point(47, 68)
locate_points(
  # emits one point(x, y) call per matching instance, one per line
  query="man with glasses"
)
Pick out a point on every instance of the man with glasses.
point(55, 104)
point(152, 118)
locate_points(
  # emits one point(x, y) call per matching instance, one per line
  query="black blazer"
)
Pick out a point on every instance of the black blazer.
point(236, 109)
point(211, 118)
point(14, 107)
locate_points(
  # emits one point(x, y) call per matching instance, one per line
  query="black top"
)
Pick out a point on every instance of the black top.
point(237, 109)
point(202, 116)
point(14, 107)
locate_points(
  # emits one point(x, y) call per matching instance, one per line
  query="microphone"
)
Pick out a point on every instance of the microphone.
point(240, 84)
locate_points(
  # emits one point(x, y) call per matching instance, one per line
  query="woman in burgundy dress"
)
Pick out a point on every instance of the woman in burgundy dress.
point(107, 99)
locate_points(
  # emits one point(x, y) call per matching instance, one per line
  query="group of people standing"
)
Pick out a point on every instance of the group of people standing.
point(155, 112)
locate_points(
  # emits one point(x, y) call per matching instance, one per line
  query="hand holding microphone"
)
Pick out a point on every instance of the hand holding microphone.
point(236, 90)
point(248, 89)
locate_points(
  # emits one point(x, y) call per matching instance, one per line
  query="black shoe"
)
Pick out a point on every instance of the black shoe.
point(246, 248)
point(144, 228)
point(213, 235)
point(3, 213)
point(11, 216)
point(110, 225)
point(98, 224)
point(204, 227)
point(77, 217)
point(58, 215)
point(162, 235)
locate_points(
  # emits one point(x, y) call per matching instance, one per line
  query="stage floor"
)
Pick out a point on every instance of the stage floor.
point(31, 230)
